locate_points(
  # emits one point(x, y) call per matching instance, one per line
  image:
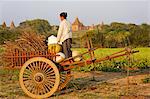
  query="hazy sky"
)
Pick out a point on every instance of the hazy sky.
point(88, 11)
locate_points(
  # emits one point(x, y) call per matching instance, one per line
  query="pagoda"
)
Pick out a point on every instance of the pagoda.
point(12, 25)
point(77, 25)
point(4, 25)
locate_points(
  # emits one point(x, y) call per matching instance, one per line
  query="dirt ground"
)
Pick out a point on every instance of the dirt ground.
point(88, 85)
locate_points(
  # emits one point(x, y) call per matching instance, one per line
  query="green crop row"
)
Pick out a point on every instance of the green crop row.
point(138, 61)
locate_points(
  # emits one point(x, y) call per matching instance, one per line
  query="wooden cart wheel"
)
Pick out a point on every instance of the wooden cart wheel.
point(39, 77)
point(65, 77)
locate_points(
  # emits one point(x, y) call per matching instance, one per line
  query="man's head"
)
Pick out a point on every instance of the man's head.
point(63, 16)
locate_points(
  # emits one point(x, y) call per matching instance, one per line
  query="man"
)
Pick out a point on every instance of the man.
point(64, 35)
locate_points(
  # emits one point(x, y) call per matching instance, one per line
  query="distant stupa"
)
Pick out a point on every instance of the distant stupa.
point(77, 25)
point(77, 22)
point(12, 25)
point(101, 25)
point(4, 25)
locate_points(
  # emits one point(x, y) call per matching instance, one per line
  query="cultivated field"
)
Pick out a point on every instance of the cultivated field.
point(139, 60)
point(143, 52)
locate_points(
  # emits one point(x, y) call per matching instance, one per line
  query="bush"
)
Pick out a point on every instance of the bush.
point(116, 66)
point(38, 25)
point(8, 35)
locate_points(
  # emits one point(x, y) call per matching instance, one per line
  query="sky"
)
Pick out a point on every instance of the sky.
point(89, 11)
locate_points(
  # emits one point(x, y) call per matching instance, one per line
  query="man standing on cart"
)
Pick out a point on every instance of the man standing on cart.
point(64, 35)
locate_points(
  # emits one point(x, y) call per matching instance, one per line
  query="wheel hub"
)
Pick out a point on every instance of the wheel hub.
point(39, 77)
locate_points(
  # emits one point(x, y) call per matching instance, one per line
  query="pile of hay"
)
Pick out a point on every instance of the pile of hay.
point(28, 41)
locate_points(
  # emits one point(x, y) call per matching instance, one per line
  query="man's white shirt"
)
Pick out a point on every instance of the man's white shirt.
point(65, 31)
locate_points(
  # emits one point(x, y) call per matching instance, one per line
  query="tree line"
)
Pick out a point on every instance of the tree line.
point(109, 36)
point(39, 26)
point(120, 35)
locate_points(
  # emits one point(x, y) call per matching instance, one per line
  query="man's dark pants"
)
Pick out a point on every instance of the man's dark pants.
point(66, 45)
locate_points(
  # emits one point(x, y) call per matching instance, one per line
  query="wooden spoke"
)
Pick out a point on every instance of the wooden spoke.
point(39, 77)
point(30, 68)
point(65, 77)
point(41, 65)
point(50, 72)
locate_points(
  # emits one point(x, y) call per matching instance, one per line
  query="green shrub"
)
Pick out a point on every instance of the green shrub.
point(116, 65)
point(8, 35)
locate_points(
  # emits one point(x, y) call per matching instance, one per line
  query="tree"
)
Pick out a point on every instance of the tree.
point(121, 35)
point(8, 35)
point(38, 25)
point(139, 34)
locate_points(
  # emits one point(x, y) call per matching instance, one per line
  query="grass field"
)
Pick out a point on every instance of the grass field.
point(144, 53)
point(140, 60)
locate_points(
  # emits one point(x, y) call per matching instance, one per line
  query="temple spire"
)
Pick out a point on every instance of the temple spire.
point(77, 22)
point(4, 25)
point(12, 25)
